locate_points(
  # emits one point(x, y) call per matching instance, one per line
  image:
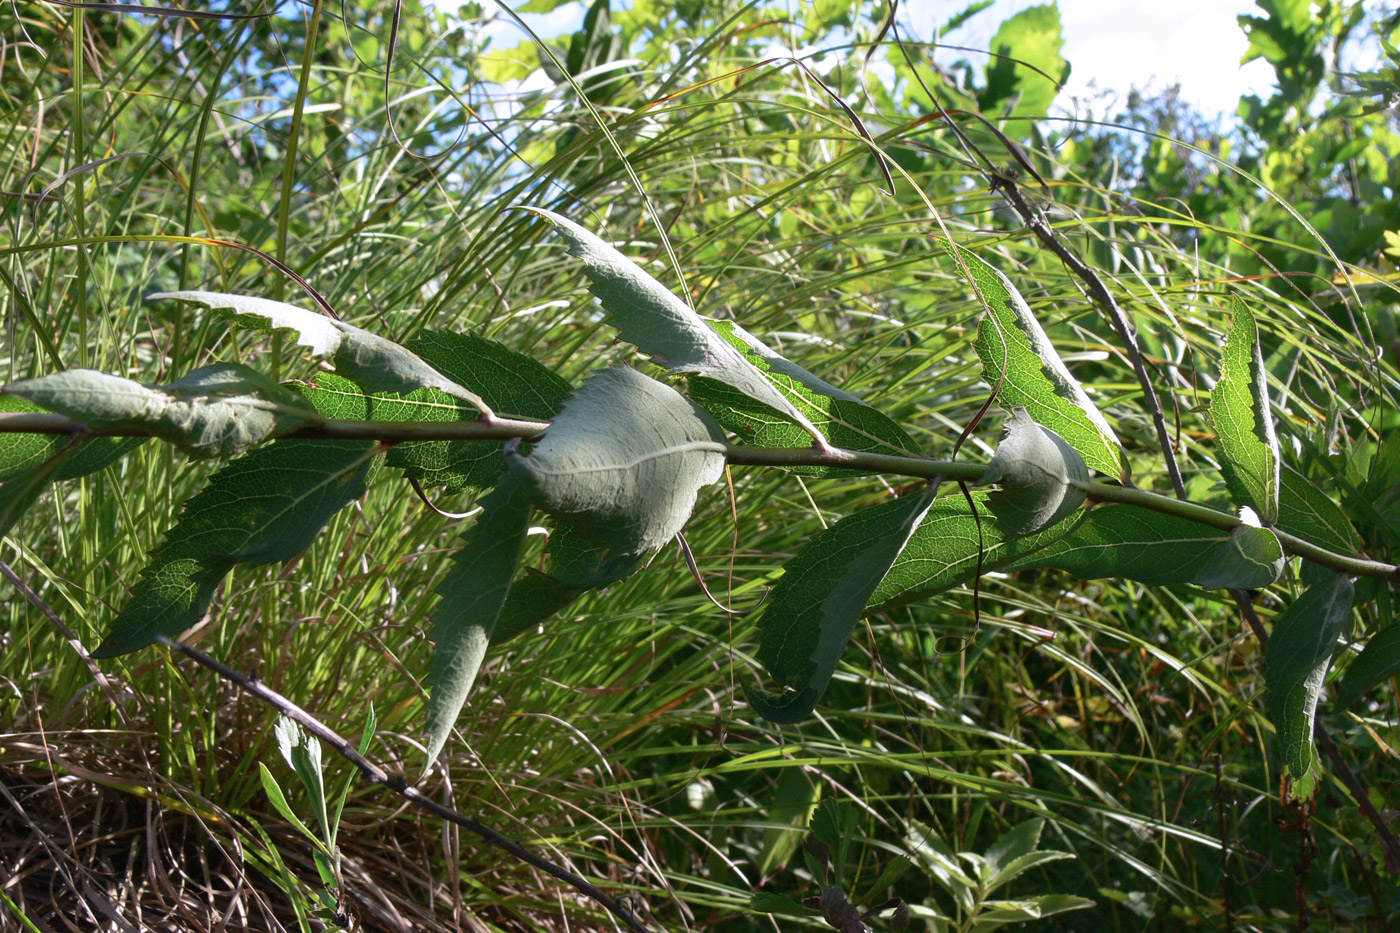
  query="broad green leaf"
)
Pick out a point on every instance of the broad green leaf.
point(264, 507)
point(1379, 660)
point(844, 420)
point(215, 411)
point(1014, 868)
point(534, 597)
point(19, 493)
point(996, 914)
point(513, 384)
point(942, 552)
point(473, 594)
point(821, 596)
point(1021, 840)
point(513, 64)
point(651, 318)
point(1309, 513)
point(1239, 409)
point(1016, 352)
point(1041, 477)
point(1030, 65)
point(1299, 654)
point(1131, 542)
point(371, 361)
point(1250, 558)
point(941, 863)
point(623, 462)
point(22, 452)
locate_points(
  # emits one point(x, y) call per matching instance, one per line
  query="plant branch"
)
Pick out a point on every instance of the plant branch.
point(395, 432)
point(377, 775)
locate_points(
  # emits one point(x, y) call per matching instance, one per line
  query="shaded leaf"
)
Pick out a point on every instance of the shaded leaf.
point(21, 452)
point(823, 592)
point(941, 863)
point(1015, 350)
point(995, 914)
point(1250, 558)
point(534, 598)
point(1379, 660)
point(1239, 409)
point(1021, 840)
point(1299, 654)
point(264, 507)
point(622, 463)
point(1041, 477)
point(20, 492)
point(473, 593)
point(215, 411)
point(792, 803)
point(371, 361)
point(651, 318)
point(1308, 512)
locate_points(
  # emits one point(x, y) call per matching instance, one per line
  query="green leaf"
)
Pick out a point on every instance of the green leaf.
point(995, 914)
point(473, 594)
point(1031, 63)
point(1299, 654)
point(940, 862)
point(658, 323)
point(534, 597)
point(215, 411)
point(1308, 512)
point(1250, 558)
point(513, 384)
point(822, 594)
point(794, 800)
point(1239, 409)
point(1021, 840)
point(514, 64)
point(372, 362)
point(1041, 477)
point(623, 462)
point(1379, 660)
point(844, 420)
point(264, 507)
point(1016, 352)
point(21, 452)
point(19, 493)
point(279, 803)
point(942, 552)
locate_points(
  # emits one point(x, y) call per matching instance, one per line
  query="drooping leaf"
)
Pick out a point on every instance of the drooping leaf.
point(473, 593)
point(622, 463)
point(1299, 654)
point(823, 592)
point(513, 384)
point(844, 420)
point(1379, 660)
point(371, 361)
point(1130, 542)
point(215, 411)
point(1309, 513)
point(534, 598)
point(1041, 477)
point(1250, 558)
point(1239, 409)
point(1030, 63)
point(264, 507)
point(651, 318)
point(22, 452)
point(1015, 350)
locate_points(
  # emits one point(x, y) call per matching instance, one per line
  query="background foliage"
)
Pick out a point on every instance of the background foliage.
point(1127, 718)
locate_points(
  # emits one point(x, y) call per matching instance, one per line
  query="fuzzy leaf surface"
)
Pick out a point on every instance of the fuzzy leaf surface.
point(1014, 349)
point(844, 420)
point(1249, 559)
point(1311, 514)
point(651, 318)
point(215, 411)
point(1378, 661)
point(1130, 542)
point(264, 507)
point(1239, 409)
point(821, 596)
point(1041, 476)
point(623, 462)
point(473, 593)
point(1299, 654)
point(371, 361)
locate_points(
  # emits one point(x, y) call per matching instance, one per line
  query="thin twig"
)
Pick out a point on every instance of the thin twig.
point(377, 775)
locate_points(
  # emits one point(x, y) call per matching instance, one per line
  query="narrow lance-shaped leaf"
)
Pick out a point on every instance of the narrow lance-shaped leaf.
point(1042, 478)
point(473, 594)
point(658, 323)
point(371, 361)
point(1239, 409)
point(1299, 654)
point(215, 411)
point(1015, 351)
point(622, 463)
point(264, 507)
point(822, 594)
point(1250, 558)
point(1379, 660)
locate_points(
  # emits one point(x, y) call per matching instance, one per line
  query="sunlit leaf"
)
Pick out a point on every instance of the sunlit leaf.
point(1309, 513)
point(1041, 477)
point(1030, 63)
point(1239, 409)
point(1250, 558)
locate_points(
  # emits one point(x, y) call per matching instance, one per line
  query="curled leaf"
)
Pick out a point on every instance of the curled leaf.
point(1250, 558)
point(1041, 476)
